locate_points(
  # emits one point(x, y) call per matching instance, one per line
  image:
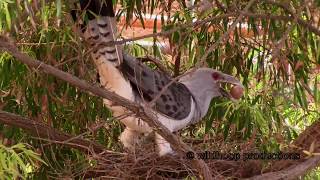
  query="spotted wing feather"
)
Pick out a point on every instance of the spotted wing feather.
point(174, 102)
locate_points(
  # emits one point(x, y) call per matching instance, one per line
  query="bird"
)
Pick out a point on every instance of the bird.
point(183, 102)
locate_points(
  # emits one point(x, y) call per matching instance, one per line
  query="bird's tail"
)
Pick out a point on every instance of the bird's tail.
point(99, 30)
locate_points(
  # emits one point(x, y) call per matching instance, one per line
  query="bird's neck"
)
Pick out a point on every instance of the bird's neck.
point(204, 102)
point(202, 96)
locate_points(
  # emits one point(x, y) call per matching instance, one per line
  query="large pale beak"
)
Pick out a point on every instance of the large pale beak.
point(231, 80)
point(224, 93)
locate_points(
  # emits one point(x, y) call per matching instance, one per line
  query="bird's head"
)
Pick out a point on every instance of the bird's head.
point(210, 80)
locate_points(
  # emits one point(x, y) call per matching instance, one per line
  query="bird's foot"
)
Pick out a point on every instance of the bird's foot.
point(129, 139)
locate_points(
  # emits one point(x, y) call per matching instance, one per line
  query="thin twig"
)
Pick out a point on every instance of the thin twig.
point(44, 131)
point(156, 62)
point(217, 18)
point(177, 64)
point(291, 172)
point(225, 36)
point(276, 50)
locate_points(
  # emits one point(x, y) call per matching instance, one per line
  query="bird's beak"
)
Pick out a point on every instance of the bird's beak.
point(232, 80)
point(225, 93)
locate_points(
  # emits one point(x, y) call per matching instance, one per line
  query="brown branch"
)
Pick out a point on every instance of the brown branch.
point(156, 61)
point(287, 8)
point(225, 36)
point(42, 130)
point(301, 22)
point(177, 64)
point(291, 172)
point(278, 45)
point(284, 18)
point(303, 142)
point(144, 113)
point(221, 5)
point(168, 32)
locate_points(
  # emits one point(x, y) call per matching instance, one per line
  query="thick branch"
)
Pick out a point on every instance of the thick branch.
point(144, 113)
point(291, 172)
point(42, 130)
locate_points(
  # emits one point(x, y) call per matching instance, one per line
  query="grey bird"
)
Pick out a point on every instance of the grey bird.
point(184, 102)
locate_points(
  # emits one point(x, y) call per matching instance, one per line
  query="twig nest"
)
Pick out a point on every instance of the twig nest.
point(236, 92)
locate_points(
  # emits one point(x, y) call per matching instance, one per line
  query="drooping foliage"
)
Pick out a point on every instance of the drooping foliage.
point(274, 50)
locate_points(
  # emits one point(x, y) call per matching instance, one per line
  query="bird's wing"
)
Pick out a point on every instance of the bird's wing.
point(174, 102)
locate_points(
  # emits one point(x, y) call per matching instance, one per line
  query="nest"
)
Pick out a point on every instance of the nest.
point(144, 163)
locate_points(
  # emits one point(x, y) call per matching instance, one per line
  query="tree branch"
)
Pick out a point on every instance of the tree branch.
point(225, 36)
point(301, 22)
point(177, 64)
point(156, 61)
point(145, 113)
point(291, 172)
point(42, 130)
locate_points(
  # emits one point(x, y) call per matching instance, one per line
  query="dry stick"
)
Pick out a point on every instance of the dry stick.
point(221, 5)
point(98, 126)
point(216, 18)
point(78, 146)
point(299, 20)
point(144, 113)
point(277, 49)
point(156, 61)
point(291, 172)
point(280, 43)
point(311, 28)
point(225, 36)
point(304, 23)
point(177, 60)
point(168, 32)
point(45, 131)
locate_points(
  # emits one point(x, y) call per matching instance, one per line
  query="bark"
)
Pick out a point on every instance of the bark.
point(41, 130)
point(292, 172)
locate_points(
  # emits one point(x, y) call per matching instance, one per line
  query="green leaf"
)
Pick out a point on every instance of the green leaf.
point(316, 93)
point(226, 130)
point(8, 16)
point(59, 7)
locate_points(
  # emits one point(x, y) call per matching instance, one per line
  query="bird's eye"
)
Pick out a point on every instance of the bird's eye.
point(215, 76)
